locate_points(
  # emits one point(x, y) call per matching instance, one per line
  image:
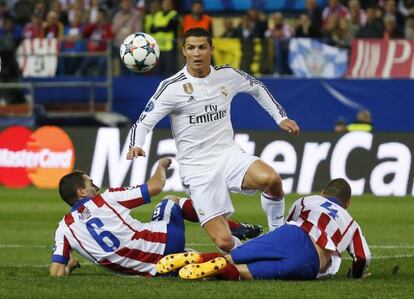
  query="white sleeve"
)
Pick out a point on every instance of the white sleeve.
point(249, 84)
point(62, 248)
point(157, 108)
point(294, 211)
point(360, 253)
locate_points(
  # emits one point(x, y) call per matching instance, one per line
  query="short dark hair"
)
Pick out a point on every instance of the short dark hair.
point(198, 32)
point(338, 188)
point(69, 184)
point(198, 2)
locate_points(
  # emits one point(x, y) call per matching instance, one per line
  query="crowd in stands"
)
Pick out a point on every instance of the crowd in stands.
point(92, 25)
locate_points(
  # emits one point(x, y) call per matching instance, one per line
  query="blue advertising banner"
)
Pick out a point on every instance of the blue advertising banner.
point(314, 103)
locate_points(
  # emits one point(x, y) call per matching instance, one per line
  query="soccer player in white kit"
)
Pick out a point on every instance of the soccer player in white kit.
point(198, 100)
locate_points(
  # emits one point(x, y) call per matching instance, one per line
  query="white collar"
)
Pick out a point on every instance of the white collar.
point(196, 79)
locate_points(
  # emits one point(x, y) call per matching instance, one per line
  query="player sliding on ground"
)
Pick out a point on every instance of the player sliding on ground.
point(100, 228)
point(198, 100)
point(308, 246)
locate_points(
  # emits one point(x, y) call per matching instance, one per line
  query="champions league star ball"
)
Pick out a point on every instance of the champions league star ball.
point(139, 52)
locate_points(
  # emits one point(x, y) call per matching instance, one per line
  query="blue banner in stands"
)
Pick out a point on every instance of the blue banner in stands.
point(315, 103)
point(311, 58)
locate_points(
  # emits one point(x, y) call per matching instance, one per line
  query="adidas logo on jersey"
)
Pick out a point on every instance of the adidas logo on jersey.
point(191, 99)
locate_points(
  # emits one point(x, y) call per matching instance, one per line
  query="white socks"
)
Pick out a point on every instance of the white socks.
point(274, 209)
point(237, 242)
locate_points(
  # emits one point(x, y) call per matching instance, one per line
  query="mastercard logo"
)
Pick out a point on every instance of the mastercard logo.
point(40, 157)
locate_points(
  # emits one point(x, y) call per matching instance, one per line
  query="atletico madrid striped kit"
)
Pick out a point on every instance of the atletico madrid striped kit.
point(332, 228)
point(288, 252)
point(102, 230)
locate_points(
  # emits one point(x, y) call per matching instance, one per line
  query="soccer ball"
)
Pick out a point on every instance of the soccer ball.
point(139, 52)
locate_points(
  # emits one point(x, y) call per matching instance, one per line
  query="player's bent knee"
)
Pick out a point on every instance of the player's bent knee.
point(272, 184)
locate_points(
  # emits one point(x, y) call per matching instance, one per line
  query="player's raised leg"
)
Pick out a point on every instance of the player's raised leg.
point(219, 231)
point(260, 176)
point(240, 230)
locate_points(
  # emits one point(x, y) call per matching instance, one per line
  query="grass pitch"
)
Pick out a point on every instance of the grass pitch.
point(28, 219)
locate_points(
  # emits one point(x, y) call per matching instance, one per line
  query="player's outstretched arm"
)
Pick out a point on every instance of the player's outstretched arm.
point(157, 181)
point(135, 152)
point(290, 126)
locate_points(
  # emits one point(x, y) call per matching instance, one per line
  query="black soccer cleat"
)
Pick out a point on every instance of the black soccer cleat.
point(247, 231)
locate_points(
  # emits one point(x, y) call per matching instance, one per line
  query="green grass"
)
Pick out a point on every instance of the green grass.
point(29, 217)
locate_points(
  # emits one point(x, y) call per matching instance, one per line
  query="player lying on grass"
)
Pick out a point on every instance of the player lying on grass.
point(100, 228)
point(308, 246)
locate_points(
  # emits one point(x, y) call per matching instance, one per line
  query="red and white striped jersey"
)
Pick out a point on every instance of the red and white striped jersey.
point(102, 230)
point(332, 228)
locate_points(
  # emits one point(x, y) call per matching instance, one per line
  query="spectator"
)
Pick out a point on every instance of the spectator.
point(280, 29)
point(342, 36)
point(53, 27)
point(197, 17)
point(357, 14)
point(153, 8)
point(340, 126)
point(77, 7)
point(334, 8)
point(99, 34)
point(164, 30)
point(246, 34)
point(56, 6)
point(9, 71)
point(330, 28)
point(409, 28)
point(246, 28)
point(93, 11)
point(363, 122)
point(280, 33)
point(229, 30)
point(259, 22)
point(391, 29)
point(40, 7)
point(9, 29)
point(373, 27)
point(72, 43)
point(305, 28)
point(390, 8)
point(3, 13)
point(314, 13)
point(34, 29)
point(406, 7)
point(127, 20)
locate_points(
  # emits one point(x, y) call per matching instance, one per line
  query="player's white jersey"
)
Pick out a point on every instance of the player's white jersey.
point(102, 230)
point(199, 110)
point(331, 227)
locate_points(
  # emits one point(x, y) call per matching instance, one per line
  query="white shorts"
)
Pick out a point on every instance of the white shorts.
point(210, 190)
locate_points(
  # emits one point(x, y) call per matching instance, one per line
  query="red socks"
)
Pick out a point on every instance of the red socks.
point(188, 210)
point(233, 224)
point(229, 272)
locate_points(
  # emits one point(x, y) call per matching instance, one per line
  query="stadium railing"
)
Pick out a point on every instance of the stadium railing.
point(31, 85)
